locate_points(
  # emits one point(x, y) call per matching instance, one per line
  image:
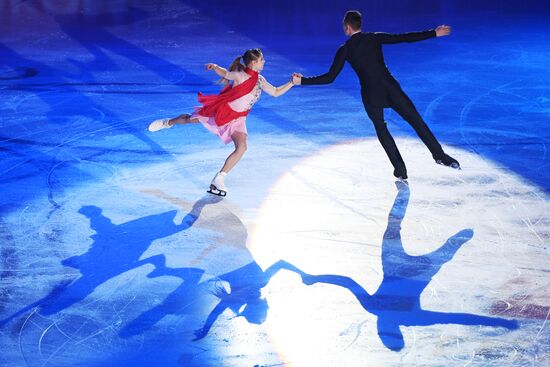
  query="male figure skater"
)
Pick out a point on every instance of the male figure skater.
point(379, 89)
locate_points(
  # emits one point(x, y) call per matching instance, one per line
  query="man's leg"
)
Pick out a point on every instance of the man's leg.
point(403, 105)
point(376, 114)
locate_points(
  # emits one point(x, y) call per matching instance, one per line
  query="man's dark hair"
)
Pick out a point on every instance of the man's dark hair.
point(353, 18)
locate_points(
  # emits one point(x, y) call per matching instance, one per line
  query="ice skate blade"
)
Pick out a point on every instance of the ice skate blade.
point(215, 191)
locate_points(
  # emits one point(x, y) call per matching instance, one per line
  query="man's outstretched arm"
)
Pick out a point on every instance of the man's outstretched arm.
point(333, 72)
point(442, 30)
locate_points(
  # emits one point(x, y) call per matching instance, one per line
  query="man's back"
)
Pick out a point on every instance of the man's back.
point(364, 53)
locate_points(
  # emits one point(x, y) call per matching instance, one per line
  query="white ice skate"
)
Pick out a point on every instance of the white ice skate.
point(217, 186)
point(159, 125)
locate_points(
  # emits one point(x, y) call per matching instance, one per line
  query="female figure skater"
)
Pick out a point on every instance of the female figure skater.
point(225, 114)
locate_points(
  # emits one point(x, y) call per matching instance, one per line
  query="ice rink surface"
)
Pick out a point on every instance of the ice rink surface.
point(113, 254)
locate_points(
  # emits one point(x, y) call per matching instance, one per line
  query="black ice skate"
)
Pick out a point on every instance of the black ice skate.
point(400, 175)
point(448, 161)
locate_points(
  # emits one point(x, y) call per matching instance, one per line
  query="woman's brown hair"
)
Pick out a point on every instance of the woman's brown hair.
point(249, 56)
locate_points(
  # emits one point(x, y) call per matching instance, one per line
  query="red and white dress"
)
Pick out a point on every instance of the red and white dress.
point(223, 118)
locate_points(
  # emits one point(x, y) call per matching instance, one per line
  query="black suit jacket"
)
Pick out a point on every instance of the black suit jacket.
point(364, 53)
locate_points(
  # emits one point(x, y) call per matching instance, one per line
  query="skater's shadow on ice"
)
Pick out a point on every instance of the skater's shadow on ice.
point(396, 302)
point(237, 290)
point(116, 249)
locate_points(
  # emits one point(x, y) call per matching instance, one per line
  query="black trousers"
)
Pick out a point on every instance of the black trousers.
point(403, 105)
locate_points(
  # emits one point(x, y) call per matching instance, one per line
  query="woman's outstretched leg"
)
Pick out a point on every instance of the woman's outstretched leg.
point(167, 123)
point(183, 119)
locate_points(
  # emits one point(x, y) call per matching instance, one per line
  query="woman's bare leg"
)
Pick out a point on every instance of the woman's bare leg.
point(239, 138)
point(183, 119)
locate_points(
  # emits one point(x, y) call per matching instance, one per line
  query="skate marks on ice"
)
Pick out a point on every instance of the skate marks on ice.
point(116, 249)
point(89, 309)
point(15, 73)
point(422, 298)
point(133, 305)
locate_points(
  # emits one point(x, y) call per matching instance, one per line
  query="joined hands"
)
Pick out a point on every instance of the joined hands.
point(296, 78)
